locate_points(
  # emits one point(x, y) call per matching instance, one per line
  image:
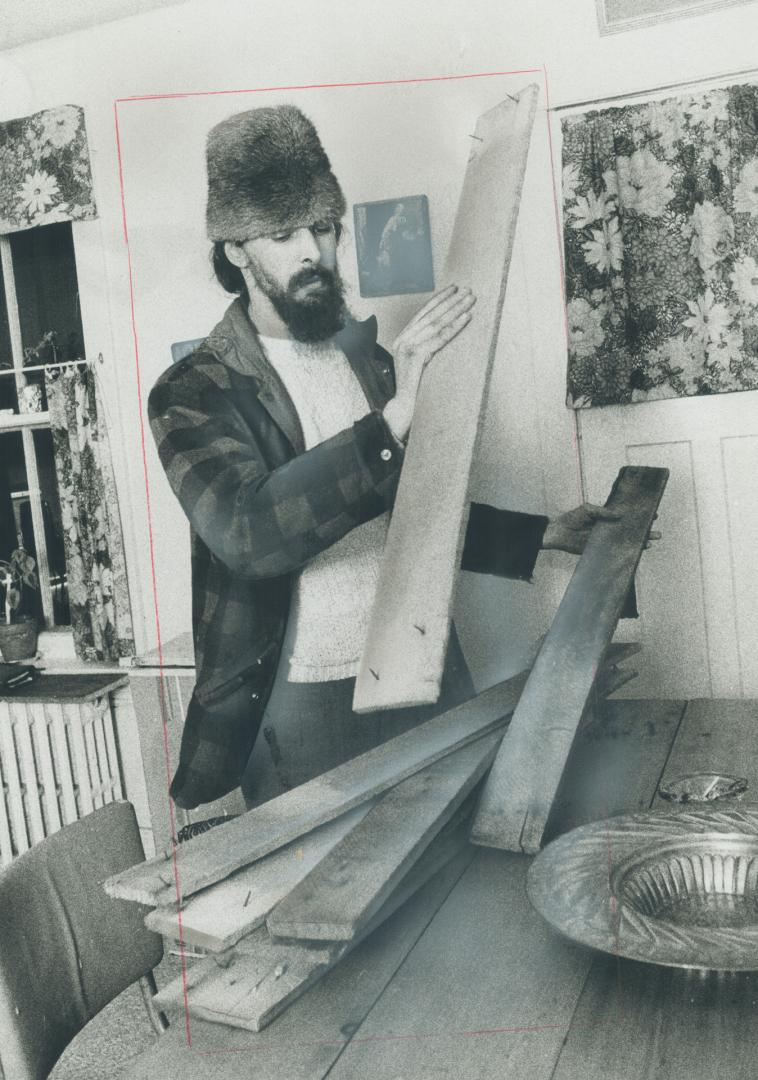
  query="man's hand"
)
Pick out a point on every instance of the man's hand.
point(437, 323)
point(570, 532)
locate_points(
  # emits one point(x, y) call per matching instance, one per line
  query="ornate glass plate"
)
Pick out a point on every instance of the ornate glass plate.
point(675, 887)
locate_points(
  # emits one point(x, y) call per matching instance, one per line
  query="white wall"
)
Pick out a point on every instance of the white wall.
point(383, 141)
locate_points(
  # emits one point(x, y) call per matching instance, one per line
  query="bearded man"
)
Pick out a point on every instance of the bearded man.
point(282, 437)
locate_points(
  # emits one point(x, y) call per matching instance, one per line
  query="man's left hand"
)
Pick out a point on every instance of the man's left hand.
point(570, 532)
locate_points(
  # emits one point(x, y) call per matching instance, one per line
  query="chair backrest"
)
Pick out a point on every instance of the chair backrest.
point(67, 949)
point(180, 349)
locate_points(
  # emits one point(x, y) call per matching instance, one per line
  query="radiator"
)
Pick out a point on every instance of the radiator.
point(58, 762)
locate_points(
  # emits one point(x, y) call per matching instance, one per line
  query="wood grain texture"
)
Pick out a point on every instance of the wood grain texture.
point(616, 763)
point(250, 986)
point(219, 916)
point(524, 779)
point(404, 655)
point(218, 853)
point(306, 1039)
point(645, 1022)
point(719, 737)
point(490, 990)
point(345, 890)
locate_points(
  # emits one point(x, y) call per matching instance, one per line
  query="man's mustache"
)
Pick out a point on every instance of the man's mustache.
point(308, 275)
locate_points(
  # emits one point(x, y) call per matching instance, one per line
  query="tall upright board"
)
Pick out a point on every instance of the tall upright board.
point(404, 655)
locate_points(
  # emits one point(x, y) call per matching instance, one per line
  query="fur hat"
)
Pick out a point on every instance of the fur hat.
point(267, 173)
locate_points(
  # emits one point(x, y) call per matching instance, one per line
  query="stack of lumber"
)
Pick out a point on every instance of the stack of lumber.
point(280, 894)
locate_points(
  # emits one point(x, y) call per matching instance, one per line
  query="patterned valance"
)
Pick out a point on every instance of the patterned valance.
point(660, 205)
point(44, 170)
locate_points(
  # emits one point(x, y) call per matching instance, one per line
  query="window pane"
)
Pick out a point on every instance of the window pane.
point(16, 526)
point(7, 382)
point(48, 294)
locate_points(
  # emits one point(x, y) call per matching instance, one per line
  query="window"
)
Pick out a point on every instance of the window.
point(40, 325)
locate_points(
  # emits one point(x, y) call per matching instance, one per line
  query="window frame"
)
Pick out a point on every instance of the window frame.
point(27, 423)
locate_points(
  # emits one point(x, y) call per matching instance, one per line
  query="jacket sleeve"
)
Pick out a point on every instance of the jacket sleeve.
point(264, 522)
point(502, 542)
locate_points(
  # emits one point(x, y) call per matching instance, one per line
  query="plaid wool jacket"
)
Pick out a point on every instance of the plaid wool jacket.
point(260, 506)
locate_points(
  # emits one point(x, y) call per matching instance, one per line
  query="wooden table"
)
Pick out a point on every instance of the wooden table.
point(468, 982)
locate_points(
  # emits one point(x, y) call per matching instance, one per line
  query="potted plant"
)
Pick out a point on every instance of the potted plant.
point(18, 633)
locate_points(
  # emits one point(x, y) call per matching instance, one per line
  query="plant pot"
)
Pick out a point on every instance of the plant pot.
point(18, 640)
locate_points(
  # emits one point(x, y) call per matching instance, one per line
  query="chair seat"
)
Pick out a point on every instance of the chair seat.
point(170, 1057)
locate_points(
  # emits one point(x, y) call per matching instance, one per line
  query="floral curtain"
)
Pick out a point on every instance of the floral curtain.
point(97, 584)
point(661, 243)
point(44, 170)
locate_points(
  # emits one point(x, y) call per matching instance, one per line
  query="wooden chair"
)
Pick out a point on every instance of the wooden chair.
point(67, 949)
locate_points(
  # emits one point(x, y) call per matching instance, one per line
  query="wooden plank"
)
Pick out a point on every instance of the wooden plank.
point(647, 1022)
point(523, 781)
point(404, 655)
point(676, 1023)
point(338, 898)
point(306, 1039)
point(27, 766)
point(615, 763)
point(219, 916)
point(41, 736)
point(490, 989)
point(619, 651)
point(716, 736)
point(275, 823)
point(260, 978)
point(62, 760)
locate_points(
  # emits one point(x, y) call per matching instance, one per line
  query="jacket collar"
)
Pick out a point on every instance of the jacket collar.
point(235, 341)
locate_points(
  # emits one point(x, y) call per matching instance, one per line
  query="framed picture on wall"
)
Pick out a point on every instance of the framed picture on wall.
point(617, 15)
point(394, 246)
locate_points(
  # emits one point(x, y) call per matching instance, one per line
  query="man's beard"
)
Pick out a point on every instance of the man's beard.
point(318, 314)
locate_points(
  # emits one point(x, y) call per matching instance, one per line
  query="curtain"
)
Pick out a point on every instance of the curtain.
point(660, 210)
point(44, 170)
point(96, 568)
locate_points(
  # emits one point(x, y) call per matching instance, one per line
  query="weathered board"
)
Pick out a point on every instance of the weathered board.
point(212, 856)
point(524, 779)
point(716, 736)
point(404, 655)
point(490, 989)
point(615, 763)
point(219, 916)
point(250, 986)
point(309, 1036)
point(342, 893)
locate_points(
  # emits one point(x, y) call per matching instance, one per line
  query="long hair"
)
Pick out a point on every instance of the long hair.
point(227, 274)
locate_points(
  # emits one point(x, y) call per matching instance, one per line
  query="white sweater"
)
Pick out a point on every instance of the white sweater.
point(334, 593)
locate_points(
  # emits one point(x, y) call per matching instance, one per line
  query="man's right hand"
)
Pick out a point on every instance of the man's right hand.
point(437, 323)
